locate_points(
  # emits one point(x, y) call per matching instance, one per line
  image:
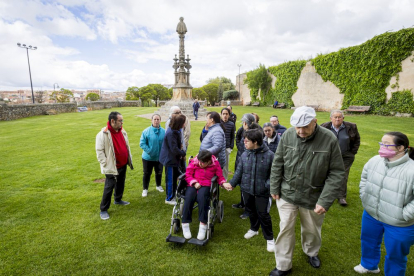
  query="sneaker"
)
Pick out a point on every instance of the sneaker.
point(271, 245)
point(171, 202)
point(202, 232)
point(238, 206)
point(244, 215)
point(104, 215)
point(144, 193)
point(160, 189)
point(186, 231)
point(251, 234)
point(362, 270)
point(121, 202)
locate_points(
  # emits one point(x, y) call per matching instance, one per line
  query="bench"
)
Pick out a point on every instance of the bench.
point(358, 108)
point(280, 105)
point(217, 104)
point(256, 104)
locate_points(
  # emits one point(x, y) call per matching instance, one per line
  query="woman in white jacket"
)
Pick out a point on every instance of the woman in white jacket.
point(387, 193)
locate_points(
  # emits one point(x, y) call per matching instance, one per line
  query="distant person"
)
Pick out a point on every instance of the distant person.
point(349, 141)
point(229, 132)
point(253, 176)
point(271, 139)
point(185, 131)
point(196, 106)
point(171, 156)
point(307, 173)
point(114, 154)
point(151, 143)
point(198, 175)
point(233, 117)
point(387, 194)
point(213, 137)
point(275, 104)
point(274, 120)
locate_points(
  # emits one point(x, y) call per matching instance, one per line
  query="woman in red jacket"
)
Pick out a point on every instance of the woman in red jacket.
point(198, 175)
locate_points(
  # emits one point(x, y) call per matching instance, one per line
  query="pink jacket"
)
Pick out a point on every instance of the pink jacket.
point(195, 173)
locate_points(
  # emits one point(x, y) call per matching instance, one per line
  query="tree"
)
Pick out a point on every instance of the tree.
point(134, 93)
point(211, 91)
point(161, 93)
point(199, 93)
point(231, 95)
point(62, 96)
point(220, 92)
point(225, 82)
point(92, 97)
point(40, 96)
point(258, 79)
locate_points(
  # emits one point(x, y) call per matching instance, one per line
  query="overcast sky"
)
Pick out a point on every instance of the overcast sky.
point(111, 45)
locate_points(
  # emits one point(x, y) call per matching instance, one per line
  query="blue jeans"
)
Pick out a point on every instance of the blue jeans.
point(397, 242)
point(195, 112)
point(171, 175)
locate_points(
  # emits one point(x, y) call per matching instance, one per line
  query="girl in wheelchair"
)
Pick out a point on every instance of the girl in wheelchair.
point(201, 169)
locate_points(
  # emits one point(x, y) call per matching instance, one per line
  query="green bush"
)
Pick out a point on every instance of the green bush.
point(256, 80)
point(230, 95)
point(401, 101)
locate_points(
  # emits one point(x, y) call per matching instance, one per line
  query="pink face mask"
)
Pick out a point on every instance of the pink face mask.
point(386, 153)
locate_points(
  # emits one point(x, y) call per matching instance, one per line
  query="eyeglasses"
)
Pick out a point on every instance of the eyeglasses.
point(382, 145)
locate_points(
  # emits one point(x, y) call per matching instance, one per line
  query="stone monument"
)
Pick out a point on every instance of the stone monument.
point(182, 89)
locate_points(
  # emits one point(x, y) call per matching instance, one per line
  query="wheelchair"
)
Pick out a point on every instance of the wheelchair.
point(215, 212)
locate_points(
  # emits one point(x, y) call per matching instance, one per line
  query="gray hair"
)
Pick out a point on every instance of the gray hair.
point(248, 118)
point(267, 125)
point(173, 109)
point(336, 111)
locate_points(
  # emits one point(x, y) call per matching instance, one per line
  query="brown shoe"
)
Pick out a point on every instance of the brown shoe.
point(342, 202)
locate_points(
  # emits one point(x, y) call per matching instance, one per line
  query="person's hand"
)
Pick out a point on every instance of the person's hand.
point(319, 210)
point(227, 186)
point(275, 197)
point(197, 186)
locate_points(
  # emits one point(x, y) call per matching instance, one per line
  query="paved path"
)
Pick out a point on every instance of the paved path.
point(148, 116)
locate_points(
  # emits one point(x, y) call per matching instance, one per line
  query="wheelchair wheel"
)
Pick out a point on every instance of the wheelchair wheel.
point(176, 226)
point(220, 211)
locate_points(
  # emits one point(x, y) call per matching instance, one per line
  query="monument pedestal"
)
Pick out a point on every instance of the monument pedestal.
point(186, 107)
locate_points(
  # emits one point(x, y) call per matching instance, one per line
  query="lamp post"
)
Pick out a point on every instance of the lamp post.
point(28, 62)
point(55, 85)
point(239, 82)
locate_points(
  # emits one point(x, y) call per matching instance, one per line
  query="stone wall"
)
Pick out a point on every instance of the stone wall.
point(18, 111)
point(406, 77)
point(244, 89)
point(97, 105)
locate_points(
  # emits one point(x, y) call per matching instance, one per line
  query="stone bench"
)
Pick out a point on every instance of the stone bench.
point(358, 108)
point(281, 105)
point(256, 104)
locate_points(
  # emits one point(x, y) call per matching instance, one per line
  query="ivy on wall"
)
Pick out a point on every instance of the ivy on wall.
point(256, 80)
point(401, 101)
point(287, 75)
point(360, 72)
point(363, 72)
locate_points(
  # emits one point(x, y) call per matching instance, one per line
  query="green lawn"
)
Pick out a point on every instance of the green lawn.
point(49, 211)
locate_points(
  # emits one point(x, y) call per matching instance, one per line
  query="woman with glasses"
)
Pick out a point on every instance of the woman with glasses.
point(271, 138)
point(387, 194)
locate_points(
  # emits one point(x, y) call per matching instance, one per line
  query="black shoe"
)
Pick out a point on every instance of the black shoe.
point(314, 261)
point(244, 215)
point(342, 202)
point(238, 206)
point(277, 272)
point(121, 202)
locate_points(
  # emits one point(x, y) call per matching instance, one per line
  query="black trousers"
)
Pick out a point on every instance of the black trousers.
point(258, 208)
point(348, 159)
point(112, 182)
point(202, 196)
point(148, 166)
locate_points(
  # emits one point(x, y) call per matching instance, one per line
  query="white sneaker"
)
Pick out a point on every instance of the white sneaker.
point(251, 234)
point(202, 232)
point(171, 202)
point(362, 270)
point(160, 189)
point(271, 245)
point(144, 193)
point(186, 231)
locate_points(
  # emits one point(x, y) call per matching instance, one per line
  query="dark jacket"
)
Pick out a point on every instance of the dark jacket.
point(196, 106)
point(171, 152)
point(233, 118)
point(239, 144)
point(273, 143)
point(309, 171)
point(253, 171)
point(352, 130)
point(280, 129)
point(230, 129)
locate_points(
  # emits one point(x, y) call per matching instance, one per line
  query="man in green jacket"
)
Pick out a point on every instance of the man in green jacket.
point(306, 177)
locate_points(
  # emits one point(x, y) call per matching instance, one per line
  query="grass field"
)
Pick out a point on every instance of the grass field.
point(49, 210)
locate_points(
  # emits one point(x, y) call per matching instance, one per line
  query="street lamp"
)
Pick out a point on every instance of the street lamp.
point(239, 82)
point(28, 62)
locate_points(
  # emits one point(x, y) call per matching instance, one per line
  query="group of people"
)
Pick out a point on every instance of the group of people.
point(304, 169)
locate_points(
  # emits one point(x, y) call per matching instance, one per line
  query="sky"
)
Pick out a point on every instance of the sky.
point(112, 45)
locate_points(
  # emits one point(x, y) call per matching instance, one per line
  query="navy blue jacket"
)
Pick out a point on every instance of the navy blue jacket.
point(171, 152)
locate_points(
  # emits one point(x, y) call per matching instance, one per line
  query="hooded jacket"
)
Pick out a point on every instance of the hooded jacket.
point(151, 143)
point(253, 171)
point(195, 173)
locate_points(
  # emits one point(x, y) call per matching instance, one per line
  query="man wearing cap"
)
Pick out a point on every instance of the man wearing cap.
point(306, 178)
